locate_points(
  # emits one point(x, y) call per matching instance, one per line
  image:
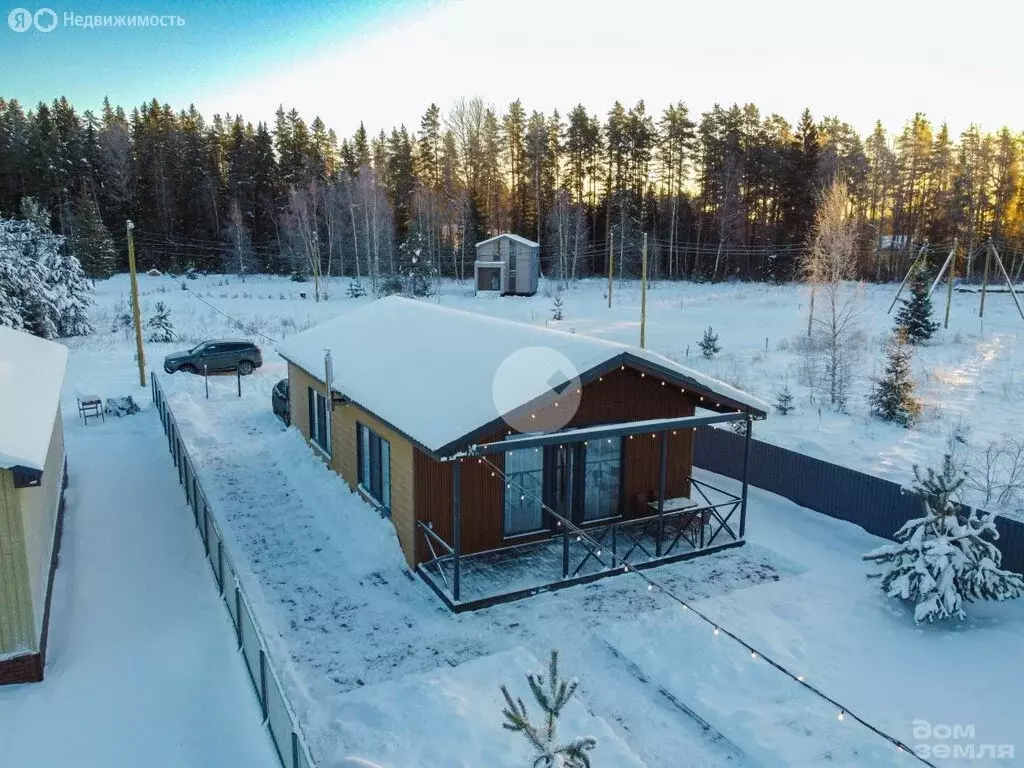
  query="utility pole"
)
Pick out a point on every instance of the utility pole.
point(136, 315)
point(611, 263)
point(949, 285)
point(643, 294)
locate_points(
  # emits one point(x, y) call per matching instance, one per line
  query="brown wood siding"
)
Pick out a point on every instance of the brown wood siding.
point(621, 396)
point(344, 453)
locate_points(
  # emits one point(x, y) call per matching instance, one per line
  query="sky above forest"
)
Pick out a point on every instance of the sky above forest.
point(384, 61)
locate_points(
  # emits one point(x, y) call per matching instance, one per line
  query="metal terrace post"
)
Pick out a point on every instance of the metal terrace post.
point(746, 475)
point(456, 525)
point(569, 452)
point(661, 490)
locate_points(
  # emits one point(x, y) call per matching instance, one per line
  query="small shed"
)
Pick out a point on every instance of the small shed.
point(507, 264)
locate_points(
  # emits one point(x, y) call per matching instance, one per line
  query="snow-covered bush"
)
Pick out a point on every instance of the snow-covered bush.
point(708, 343)
point(551, 696)
point(784, 400)
point(557, 307)
point(915, 315)
point(946, 557)
point(893, 396)
point(161, 329)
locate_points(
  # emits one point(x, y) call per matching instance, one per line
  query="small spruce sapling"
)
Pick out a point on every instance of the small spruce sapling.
point(946, 557)
point(915, 315)
point(784, 400)
point(557, 312)
point(893, 397)
point(708, 344)
point(355, 289)
point(551, 696)
point(161, 329)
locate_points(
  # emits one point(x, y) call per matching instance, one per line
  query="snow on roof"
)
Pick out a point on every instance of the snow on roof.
point(510, 236)
point(31, 377)
point(429, 371)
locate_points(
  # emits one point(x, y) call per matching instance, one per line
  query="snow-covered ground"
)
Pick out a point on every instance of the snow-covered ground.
point(968, 374)
point(356, 631)
point(141, 668)
point(378, 669)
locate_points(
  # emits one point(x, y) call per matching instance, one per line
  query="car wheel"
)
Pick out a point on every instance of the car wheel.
point(188, 368)
point(245, 368)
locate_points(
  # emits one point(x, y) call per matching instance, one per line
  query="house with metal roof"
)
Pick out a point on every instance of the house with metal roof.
point(498, 447)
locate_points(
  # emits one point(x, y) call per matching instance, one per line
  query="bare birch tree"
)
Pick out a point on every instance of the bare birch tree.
point(239, 256)
point(829, 268)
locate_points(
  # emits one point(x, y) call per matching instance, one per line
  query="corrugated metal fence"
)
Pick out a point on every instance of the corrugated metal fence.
point(278, 715)
point(875, 504)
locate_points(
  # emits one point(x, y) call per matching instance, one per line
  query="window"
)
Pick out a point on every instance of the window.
point(374, 465)
point(319, 420)
point(524, 488)
point(602, 467)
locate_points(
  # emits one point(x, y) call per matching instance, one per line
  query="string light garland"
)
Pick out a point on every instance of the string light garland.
point(595, 551)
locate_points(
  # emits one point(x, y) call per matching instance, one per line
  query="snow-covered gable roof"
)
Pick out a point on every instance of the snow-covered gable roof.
point(510, 236)
point(428, 371)
point(31, 377)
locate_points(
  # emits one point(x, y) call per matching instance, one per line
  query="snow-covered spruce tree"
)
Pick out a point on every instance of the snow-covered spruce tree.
point(945, 558)
point(915, 314)
point(557, 307)
point(355, 289)
point(708, 344)
point(784, 400)
point(90, 241)
point(161, 329)
point(72, 292)
point(551, 696)
point(893, 396)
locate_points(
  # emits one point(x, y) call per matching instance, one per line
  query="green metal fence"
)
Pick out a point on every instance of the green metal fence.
point(278, 715)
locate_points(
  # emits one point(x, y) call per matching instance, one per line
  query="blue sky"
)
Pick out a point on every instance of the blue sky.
point(385, 61)
point(220, 43)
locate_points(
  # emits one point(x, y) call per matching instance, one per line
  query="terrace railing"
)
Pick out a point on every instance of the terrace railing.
point(609, 548)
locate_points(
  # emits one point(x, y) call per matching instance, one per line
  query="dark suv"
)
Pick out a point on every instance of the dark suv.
point(215, 357)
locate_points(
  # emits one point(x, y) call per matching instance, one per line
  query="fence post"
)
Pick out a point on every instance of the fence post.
point(220, 567)
point(238, 377)
point(569, 464)
point(746, 475)
point(295, 750)
point(263, 685)
point(206, 380)
point(238, 617)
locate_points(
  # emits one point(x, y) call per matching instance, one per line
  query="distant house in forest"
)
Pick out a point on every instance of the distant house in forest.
point(32, 480)
point(485, 440)
point(507, 264)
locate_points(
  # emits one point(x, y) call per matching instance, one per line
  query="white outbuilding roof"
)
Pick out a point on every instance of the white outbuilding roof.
point(430, 371)
point(510, 236)
point(31, 377)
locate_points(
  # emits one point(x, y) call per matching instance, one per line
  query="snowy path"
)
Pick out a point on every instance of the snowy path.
point(141, 668)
